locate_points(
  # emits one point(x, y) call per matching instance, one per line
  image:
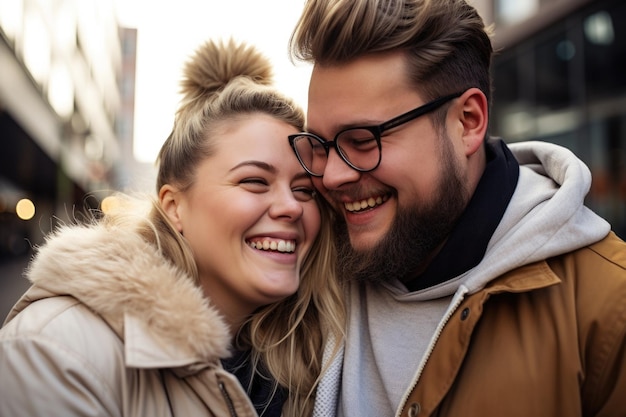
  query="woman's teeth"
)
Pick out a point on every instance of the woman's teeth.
point(364, 204)
point(275, 245)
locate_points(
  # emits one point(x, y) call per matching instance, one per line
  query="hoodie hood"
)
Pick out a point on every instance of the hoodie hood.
point(159, 312)
point(546, 217)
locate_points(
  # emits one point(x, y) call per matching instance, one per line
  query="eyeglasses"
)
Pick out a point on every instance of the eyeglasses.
point(359, 147)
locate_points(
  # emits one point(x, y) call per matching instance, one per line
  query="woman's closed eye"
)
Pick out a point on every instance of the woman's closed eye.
point(261, 185)
point(304, 193)
point(254, 184)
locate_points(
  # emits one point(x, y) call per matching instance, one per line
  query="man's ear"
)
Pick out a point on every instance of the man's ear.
point(474, 118)
point(169, 200)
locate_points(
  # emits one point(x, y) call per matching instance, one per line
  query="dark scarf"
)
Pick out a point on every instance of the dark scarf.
point(259, 388)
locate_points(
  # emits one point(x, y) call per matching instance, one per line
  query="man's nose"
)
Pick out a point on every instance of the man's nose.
point(338, 172)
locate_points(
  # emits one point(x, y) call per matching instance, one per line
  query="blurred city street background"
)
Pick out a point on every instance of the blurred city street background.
point(88, 90)
point(12, 284)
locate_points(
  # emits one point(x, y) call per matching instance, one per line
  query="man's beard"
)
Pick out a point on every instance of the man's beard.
point(416, 231)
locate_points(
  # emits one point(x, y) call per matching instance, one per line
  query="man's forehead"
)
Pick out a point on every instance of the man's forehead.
point(356, 94)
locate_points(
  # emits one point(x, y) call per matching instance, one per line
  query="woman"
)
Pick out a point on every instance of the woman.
point(144, 311)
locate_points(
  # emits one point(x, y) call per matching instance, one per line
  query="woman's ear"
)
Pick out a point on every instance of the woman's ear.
point(474, 119)
point(169, 200)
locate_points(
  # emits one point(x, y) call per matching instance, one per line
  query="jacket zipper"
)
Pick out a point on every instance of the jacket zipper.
point(229, 402)
point(456, 302)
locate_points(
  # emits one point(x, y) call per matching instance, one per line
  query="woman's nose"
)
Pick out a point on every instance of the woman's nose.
point(285, 205)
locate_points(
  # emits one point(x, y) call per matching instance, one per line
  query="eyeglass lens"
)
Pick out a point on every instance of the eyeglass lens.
point(358, 147)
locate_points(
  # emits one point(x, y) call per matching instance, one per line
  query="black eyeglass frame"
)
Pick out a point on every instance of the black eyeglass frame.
point(376, 131)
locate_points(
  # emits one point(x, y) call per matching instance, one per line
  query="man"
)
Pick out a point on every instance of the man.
point(479, 284)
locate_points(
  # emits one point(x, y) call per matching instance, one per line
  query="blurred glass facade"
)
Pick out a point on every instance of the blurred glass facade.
point(559, 76)
point(61, 65)
point(66, 111)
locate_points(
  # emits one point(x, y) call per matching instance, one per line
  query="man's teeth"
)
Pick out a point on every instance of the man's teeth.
point(276, 245)
point(364, 204)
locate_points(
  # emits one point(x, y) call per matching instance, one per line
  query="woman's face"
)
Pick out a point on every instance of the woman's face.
point(250, 216)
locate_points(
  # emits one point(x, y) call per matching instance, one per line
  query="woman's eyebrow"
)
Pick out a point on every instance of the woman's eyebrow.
point(267, 167)
point(259, 164)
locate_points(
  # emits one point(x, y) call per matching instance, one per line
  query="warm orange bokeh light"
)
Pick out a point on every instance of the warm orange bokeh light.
point(25, 209)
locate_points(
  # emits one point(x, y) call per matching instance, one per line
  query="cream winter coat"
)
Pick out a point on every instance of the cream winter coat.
point(109, 328)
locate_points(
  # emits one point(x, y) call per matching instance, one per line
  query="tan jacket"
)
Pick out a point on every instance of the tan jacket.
point(109, 328)
point(538, 323)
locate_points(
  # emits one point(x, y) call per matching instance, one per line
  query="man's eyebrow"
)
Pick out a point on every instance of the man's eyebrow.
point(342, 127)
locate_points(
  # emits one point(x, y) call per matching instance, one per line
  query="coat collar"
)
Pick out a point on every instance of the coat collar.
point(526, 278)
point(162, 316)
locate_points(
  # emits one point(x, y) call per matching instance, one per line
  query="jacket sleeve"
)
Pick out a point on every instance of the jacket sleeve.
point(603, 335)
point(605, 356)
point(47, 366)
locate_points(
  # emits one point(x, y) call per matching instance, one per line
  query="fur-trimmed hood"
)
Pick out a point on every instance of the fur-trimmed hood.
point(162, 316)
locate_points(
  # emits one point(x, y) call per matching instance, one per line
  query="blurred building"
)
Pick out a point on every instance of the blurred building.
point(559, 77)
point(66, 112)
point(125, 122)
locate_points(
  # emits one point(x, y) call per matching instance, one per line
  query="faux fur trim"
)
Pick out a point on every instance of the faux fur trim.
point(116, 272)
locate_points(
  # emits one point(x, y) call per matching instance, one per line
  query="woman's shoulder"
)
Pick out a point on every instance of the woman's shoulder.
point(56, 354)
point(61, 328)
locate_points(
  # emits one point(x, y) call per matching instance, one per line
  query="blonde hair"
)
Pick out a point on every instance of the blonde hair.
point(222, 84)
point(447, 46)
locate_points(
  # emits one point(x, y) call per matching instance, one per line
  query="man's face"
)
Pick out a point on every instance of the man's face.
point(395, 216)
